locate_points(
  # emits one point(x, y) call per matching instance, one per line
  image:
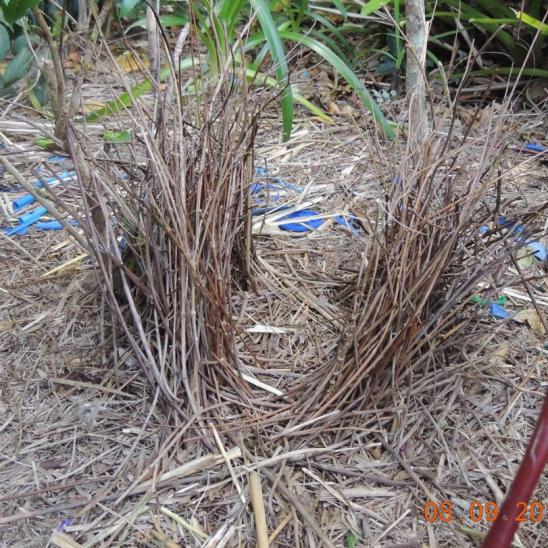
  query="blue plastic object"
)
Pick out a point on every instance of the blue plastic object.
point(303, 226)
point(499, 312)
point(533, 147)
point(308, 224)
point(539, 250)
point(49, 225)
point(26, 199)
point(25, 221)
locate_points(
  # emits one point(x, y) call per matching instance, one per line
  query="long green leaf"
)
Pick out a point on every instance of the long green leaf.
point(261, 78)
point(373, 5)
point(272, 36)
point(17, 67)
point(127, 6)
point(532, 22)
point(229, 12)
point(346, 72)
point(4, 42)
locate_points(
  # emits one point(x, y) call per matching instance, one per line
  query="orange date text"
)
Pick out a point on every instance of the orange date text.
point(445, 511)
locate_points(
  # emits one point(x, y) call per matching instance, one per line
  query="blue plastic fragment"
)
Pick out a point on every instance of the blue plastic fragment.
point(33, 215)
point(49, 225)
point(22, 202)
point(303, 226)
point(312, 224)
point(535, 148)
point(64, 524)
point(499, 312)
point(539, 250)
point(57, 159)
point(27, 199)
point(25, 221)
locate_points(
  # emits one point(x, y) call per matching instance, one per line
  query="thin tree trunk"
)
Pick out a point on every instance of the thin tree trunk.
point(415, 84)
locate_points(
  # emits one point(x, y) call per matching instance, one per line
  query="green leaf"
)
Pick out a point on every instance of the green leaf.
point(15, 9)
point(165, 20)
point(117, 137)
point(229, 12)
point(532, 22)
point(373, 5)
point(17, 67)
point(272, 36)
point(262, 79)
point(127, 6)
point(21, 42)
point(56, 30)
point(346, 72)
point(4, 42)
point(351, 540)
point(44, 142)
point(340, 6)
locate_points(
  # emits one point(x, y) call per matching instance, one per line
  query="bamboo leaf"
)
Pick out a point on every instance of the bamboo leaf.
point(4, 42)
point(347, 73)
point(127, 6)
point(532, 22)
point(17, 67)
point(373, 5)
point(273, 39)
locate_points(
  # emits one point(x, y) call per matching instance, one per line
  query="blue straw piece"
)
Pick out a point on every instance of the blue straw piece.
point(22, 202)
point(25, 221)
point(535, 148)
point(27, 199)
point(49, 225)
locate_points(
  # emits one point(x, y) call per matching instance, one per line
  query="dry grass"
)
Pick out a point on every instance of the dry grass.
point(84, 435)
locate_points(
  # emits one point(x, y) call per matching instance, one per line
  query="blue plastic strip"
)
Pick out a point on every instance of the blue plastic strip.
point(25, 221)
point(49, 225)
point(27, 199)
point(304, 226)
point(533, 147)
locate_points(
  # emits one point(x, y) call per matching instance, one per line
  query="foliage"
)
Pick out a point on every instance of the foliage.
point(12, 21)
point(279, 22)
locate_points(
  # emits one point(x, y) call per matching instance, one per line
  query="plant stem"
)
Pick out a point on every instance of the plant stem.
point(415, 83)
point(58, 99)
point(516, 503)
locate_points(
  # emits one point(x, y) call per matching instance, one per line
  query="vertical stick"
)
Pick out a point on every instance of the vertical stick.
point(257, 504)
point(415, 84)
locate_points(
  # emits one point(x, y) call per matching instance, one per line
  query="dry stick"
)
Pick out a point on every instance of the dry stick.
point(228, 463)
point(414, 70)
point(257, 503)
point(280, 528)
point(299, 506)
point(59, 100)
point(43, 201)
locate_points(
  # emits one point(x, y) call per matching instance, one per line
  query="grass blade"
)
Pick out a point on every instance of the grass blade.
point(347, 73)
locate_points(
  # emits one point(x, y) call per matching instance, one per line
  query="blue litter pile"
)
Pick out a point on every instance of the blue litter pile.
point(32, 218)
point(267, 195)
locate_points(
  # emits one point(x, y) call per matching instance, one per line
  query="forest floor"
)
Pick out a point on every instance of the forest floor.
point(80, 432)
